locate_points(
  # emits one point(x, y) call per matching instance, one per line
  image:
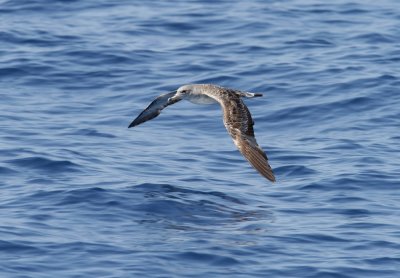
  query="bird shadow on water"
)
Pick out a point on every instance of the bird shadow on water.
point(188, 209)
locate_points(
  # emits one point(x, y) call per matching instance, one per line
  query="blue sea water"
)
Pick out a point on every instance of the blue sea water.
point(84, 196)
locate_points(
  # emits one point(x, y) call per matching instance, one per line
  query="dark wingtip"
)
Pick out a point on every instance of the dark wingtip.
point(132, 124)
point(258, 95)
point(269, 175)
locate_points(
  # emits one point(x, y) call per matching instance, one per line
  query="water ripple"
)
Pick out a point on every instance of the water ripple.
point(44, 164)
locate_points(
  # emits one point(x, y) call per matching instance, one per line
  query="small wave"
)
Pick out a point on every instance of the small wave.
point(294, 171)
point(310, 43)
point(171, 189)
point(91, 132)
point(45, 164)
point(17, 247)
point(6, 170)
point(207, 258)
point(93, 196)
point(181, 207)
point(304, 115)
point(317, 237)
point(374, 38)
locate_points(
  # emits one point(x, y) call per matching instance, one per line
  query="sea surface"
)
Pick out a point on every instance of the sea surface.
point(81, 195)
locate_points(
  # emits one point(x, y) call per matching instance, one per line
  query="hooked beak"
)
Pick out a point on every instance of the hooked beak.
point(173, 99)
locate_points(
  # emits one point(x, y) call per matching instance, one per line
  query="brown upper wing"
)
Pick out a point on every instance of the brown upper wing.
point(239, 123)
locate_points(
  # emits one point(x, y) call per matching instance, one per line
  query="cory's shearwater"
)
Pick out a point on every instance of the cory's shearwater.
point(237, 118)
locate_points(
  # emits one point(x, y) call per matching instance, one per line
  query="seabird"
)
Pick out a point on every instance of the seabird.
point(237, 118)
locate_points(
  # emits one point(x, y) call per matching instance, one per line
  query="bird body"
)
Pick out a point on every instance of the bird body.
point(236, 117)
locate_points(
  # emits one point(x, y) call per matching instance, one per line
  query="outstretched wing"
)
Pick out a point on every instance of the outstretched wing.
point(154, 109)
point(238, 122)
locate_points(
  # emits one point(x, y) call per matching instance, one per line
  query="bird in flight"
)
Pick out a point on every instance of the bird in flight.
point(237, 118)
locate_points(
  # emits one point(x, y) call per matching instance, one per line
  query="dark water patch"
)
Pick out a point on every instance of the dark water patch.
point(209, 259)
point(370, 160)
point(320, 11)
point(12, 72)
point(95, 57)
point(151, 189)
point(383, 244)
point(181, 26)
point(344, 144)
point(93, 196)
point(297, 157)
point(91, 132)
point(354, 11)
point(6, 170)
point(365, 225)
point(199, 212)
point(18, 247)
point(40, 196)
point(86, 247)
point(31, 7)
point(347, 272)
point(177, 206)
point(37, 38)
point(348, 199)
point(354, 213)
point(218, 79)
point(383, 261)
point(45, 164)
point(310, 43)
point(193, 68)
point(342, 22)
point(310, 238)
point(374, 38)
point(294, 171)
point(304, 115)
point(347, 184)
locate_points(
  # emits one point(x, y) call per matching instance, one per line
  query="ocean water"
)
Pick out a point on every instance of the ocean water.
point(84, 196)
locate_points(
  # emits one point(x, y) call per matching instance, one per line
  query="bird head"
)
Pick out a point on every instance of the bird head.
point(182, 93)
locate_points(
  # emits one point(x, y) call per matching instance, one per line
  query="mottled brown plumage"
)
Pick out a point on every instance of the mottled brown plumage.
point(237, 118)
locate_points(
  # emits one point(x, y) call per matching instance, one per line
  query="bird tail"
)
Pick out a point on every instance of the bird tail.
point(250, 95)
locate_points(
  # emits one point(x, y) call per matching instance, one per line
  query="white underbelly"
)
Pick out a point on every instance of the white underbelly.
point(201, 99)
